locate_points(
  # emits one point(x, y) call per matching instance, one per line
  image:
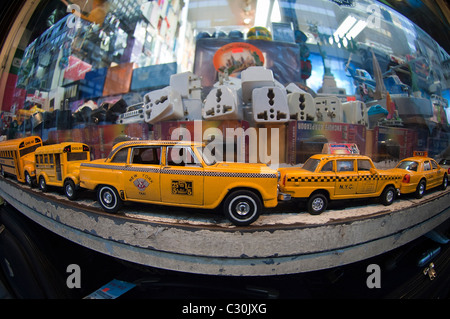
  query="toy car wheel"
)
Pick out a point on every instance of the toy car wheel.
point(242, 207)
point(420, 190)
point(42, 184)
point(109, 199)
point(388, 196)
point(317, 203)
point(444, 182)
point(29, 179)
point(70, 190)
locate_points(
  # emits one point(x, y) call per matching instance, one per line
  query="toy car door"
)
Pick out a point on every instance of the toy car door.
point(367, 182)
point(346, 177)
point(428, 173)
point(182, 176)
point(143, 174)
point(436, 179)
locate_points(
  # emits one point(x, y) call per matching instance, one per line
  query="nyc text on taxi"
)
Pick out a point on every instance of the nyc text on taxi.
point(180, 174)
point(326, 177)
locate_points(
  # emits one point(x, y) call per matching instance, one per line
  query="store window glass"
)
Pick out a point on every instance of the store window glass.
point(308, 72)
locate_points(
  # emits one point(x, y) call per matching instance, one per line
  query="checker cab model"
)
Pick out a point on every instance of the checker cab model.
point(421, 173)
point(326, 177)
point(180, 174)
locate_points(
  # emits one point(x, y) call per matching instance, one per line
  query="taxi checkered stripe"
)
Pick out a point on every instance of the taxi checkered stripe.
point(217, 174)
point(180, 172)
point(327, 179)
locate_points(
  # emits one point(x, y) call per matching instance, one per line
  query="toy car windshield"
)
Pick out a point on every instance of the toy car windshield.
point(311, 164)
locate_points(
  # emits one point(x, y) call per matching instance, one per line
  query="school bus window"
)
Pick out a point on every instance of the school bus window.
point(50, 158)
point(120, 156)
point(28, 150)
point(78, 156)
point(45, 159)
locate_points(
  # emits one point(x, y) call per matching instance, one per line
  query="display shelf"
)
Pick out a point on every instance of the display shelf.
point(284, 240)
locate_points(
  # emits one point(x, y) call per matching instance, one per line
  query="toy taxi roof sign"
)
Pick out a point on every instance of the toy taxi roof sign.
point(340, 148)
point(420, 154)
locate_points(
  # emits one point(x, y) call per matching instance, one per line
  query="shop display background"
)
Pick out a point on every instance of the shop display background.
point(120, 50)
point(142, 73)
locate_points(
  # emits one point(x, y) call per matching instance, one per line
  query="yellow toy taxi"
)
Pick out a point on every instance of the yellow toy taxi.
point(58, 165)
point(180, 174)
point(421, 173)
point(326, 177)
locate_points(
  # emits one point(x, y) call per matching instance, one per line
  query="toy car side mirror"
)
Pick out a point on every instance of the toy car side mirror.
point(373, 171)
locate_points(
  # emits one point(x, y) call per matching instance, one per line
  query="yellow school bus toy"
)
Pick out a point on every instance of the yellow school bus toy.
point(17, 158)
point(326, 177)
point(59, 164)
point(180, 174)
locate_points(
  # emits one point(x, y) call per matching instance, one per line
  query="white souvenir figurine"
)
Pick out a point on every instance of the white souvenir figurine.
point(355, 112)
point(163, 105)
point(187, 84)
point(222, 103)
point(328, 109)
point(255, 77)
point(270, 105)
point(190, 88)
point(301, 106)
